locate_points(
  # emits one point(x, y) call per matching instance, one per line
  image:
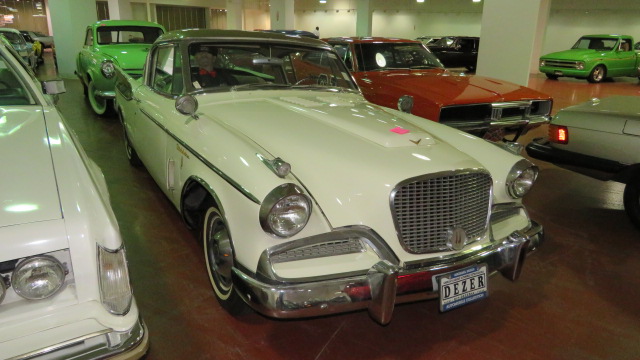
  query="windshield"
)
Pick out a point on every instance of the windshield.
point(595, 43)
point(383, 56)
point(12, 89)
point(14, 38)
point(225, 67)
point(444, 42)
point(128, 34)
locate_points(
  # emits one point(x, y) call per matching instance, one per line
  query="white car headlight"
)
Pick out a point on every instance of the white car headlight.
point(38, 277)
point(108, 69)
point(521, 178)
point(542, 62)
point(580, 65)
point(115, 288)
point(285, 211)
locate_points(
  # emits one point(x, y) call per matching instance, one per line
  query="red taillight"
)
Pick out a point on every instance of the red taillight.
point(559, 134)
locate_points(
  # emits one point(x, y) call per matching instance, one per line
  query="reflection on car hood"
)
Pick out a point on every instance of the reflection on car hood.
point(446, 88)
point(574, 54)
point(349, 153)
point(28, 191)
point(127, 56)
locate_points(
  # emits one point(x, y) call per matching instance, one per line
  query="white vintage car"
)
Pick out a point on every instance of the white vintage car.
point(64, 285)
point(601, 139)
point(309, 199)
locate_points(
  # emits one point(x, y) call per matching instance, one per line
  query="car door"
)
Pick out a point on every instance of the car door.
point(85, 55)
point(156, 103)
point(624, 59)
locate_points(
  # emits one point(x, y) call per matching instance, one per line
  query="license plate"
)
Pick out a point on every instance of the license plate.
point(559, 73)
point(462, 287)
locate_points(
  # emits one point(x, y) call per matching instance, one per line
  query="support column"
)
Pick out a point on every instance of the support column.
point(282, 17)
point(120, 10)
point(235, 19)
point(364, 18)
point(510, 36)
point(70, 31)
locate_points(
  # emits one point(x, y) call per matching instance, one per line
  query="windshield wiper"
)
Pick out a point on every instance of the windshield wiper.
point(425, 67)
point(259, 86)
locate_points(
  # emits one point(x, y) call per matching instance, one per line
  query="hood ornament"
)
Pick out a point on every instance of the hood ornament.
point(456, 238)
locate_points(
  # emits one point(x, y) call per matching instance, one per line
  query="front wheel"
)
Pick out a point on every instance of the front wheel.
point(597, 74)
point(99, 104)
point(552, 77)
point(218, 254)
point(632, 199)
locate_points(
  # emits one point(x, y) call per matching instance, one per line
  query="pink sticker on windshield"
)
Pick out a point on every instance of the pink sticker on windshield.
point(399, 130)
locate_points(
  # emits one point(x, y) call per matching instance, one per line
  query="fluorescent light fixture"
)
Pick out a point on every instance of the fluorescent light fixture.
point(476, 0)
point(323, 1)
point(420, 1)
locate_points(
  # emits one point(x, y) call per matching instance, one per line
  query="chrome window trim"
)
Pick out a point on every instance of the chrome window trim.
point(212, 167)
point(437, 175)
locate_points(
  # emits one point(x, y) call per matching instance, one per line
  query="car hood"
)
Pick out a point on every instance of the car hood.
point(348, 153)
point(575, 54)
point(447, 88)
point(28, 190)
point(127, 56)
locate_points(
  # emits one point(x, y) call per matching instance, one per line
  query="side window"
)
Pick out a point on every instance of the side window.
point(345, 55)
point(166, 72)
point(625, 45)
point(88, 40)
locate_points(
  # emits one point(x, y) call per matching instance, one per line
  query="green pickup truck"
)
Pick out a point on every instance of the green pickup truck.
point(595, 58)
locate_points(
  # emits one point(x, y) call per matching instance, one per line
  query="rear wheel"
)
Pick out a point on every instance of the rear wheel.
point(632, 199)
point(597, 74)
point(218, 254)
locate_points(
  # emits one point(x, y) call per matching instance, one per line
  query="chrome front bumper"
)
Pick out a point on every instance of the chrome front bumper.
point(384, 285)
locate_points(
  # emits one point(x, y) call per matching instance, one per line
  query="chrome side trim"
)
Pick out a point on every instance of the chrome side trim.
point(224, 176)
point(106, 94)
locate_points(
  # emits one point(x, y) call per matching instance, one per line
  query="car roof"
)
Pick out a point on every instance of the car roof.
point(125, 23)
point(612, 36)
point(237, 35)
point(10, 30)
point(369, 39)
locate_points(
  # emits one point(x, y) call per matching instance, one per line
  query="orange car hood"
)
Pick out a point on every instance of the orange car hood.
point(441, 88)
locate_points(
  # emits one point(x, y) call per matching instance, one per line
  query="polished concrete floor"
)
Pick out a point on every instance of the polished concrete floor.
point(578, 297)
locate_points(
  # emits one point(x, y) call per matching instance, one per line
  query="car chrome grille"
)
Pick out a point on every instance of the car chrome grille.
point(561, 64)
point(329, 248)
point(427, 208)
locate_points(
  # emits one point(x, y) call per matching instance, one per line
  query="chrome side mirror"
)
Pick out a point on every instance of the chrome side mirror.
point(53, 87)
point(187, 105)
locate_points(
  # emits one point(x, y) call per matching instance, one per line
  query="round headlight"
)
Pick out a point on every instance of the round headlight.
point(108, 69)
point(580, 65)
point(541, 63)
point(405, 104)
point(285, 211)
point(521, 178)
point(38, 277)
